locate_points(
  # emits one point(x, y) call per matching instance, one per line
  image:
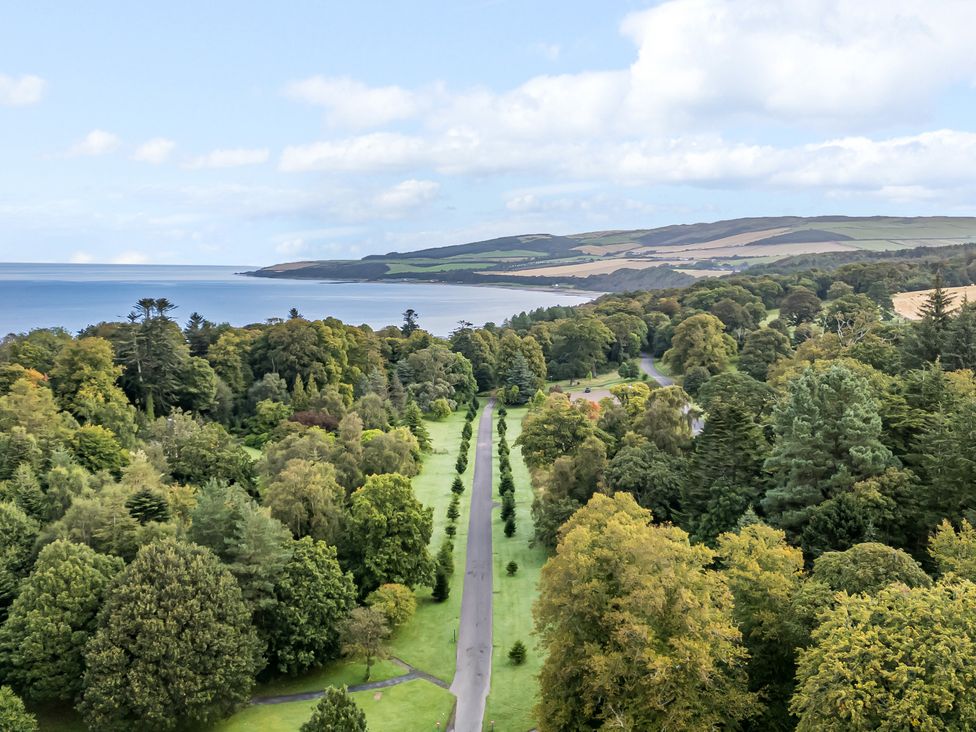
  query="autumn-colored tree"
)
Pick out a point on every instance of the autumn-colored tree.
point(700, 340)
point(638, 634)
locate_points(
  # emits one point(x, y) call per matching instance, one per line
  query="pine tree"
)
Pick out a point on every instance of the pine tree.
point(510, 527)
point(147, 505)
point(442, 586)
point(413, 419)
point(299, 397)
point(929, 333)
point(508, 506)
point(457, 487)
point(517, 653)
point(960, 342)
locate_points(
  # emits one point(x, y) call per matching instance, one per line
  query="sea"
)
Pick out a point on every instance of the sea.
point(77, 295)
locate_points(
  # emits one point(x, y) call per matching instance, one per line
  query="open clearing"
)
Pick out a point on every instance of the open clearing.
point(907, 304)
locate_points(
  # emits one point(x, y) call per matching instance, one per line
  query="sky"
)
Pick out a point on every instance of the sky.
point(257, 132)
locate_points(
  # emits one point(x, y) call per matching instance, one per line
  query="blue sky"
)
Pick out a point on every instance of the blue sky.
point(251, 133)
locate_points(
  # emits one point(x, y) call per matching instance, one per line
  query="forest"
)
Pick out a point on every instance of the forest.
point(781, 539)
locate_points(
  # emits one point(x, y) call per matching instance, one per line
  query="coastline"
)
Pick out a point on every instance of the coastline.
point(591, 294)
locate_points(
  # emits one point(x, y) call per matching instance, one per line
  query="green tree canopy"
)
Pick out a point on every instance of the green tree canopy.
point(313, 597)
point(52, 618)
point(389, 532)
point(336, 711)
point(700, 341)
point(174, 646)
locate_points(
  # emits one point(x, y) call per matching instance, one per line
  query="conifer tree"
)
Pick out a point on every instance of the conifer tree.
point(413, 419)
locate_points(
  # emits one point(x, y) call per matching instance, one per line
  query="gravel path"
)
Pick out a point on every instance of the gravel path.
point(473, 675)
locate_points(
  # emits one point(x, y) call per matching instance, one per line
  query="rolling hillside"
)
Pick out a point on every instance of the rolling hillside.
point(668, 256)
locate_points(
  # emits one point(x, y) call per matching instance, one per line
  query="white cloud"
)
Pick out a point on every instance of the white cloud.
point(550, 51)
point(96, 142)
point(156, 150)
point(130, 257)
point(230, 158)
point(354, 104)
point(21, 91)
point(291, 246)
point(81, 257)
point(406, 195)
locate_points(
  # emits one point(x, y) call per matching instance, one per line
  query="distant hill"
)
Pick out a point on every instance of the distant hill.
point(668, 256)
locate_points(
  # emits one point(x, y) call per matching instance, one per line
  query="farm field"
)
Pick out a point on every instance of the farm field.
point(907, 304)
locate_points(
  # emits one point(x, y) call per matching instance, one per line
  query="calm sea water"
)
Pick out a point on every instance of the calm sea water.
point(76, 295)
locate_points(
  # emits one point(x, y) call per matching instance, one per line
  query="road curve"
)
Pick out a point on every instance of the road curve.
point(648, 367)
point(472, 677)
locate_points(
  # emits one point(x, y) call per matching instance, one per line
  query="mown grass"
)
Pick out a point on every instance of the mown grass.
point(414, 706)
point(514, 688)
point(429, 641)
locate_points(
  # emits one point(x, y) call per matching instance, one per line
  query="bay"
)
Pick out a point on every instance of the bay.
point(77, 295)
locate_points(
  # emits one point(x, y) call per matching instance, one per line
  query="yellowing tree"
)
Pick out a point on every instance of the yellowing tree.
point(897, 660)
point(700, 340)
point(638, 633)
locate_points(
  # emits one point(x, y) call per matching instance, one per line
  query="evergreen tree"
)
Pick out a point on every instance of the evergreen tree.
point(147, 505)
point(14, 716)
point(457, 487)
point(725, 470)
point(929, 333)
point(174, 646)
point(52, 618)
point(442, 586)
point(336, 712)
point(827, 437)
point(413, 419)
point(959, 351)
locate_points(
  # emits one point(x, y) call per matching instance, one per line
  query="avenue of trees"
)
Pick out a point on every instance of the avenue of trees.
point(185, 511)
point(804, 561)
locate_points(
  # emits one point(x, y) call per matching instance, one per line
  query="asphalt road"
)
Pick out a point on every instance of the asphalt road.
point(472, 677)
point(647, 365)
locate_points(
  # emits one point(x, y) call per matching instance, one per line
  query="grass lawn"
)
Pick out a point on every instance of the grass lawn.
point(429, 640)
point(335, 674)
point(514, 688)
point(414, 706)
point(771, 315)
point(600, 381)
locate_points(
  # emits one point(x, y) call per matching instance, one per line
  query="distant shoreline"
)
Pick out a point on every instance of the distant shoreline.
point(591, 294)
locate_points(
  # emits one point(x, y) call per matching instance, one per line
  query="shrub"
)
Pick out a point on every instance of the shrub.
point(336, 710)
point(502, 411)
point(440, 409)
point(502, 427)
point(511, 568)
point(453, 512)
point(506, 483)
point(462, 463)
point(504, 465)
point(397, 603)
point(450, 530)
point(466, 432)
point(517, 653)
point(457, 487)
point(629, 370)
point(442, 587)
point(510, 527)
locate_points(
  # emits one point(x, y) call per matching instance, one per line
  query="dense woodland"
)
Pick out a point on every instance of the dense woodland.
point(188, 508)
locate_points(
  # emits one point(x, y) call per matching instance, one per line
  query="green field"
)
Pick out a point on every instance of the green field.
point(513, 688)
point(401, 267)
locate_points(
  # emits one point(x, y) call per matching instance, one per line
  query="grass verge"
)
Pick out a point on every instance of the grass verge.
point(514, 688)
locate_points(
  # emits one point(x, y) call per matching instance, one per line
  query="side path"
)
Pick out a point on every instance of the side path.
point(412, 673)
point(472, 678)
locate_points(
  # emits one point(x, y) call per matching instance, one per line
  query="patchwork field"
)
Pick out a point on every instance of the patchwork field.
point(655, 257)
